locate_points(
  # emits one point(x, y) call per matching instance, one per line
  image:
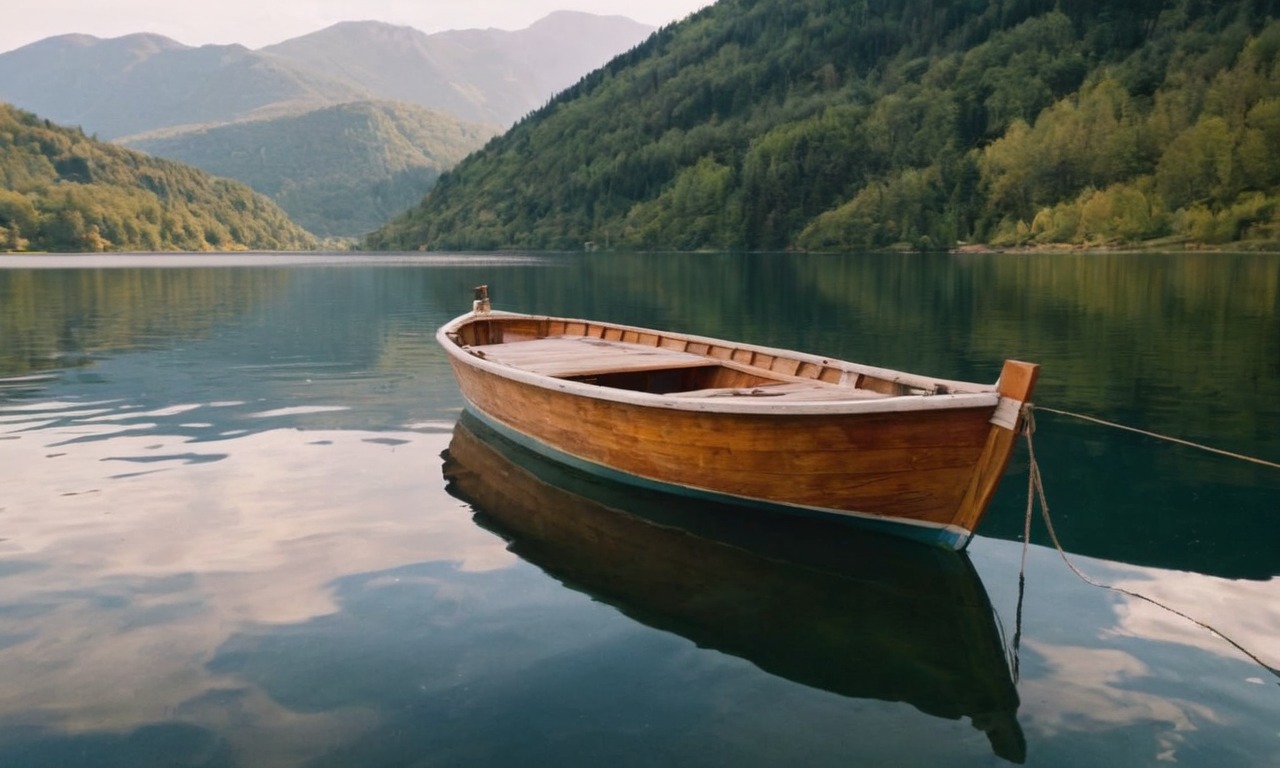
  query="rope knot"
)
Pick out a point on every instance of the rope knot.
point(1028, 419)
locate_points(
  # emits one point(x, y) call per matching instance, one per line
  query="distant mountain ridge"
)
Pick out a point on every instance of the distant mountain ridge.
point(143, 82)
point(138, 83)
point(486, 75)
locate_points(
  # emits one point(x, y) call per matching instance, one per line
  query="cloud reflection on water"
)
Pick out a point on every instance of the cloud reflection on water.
point(236, 610)
point(1124, 682)
point(118, 589)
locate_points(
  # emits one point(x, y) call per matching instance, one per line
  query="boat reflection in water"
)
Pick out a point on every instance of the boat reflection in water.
point(826, 606)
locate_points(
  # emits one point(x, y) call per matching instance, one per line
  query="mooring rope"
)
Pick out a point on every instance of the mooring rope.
point(1022, 575)
point(1036, 491)
point(1156, 435)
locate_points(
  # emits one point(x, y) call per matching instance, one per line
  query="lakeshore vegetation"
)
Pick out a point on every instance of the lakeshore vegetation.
point(926, 124)
point(61, 190)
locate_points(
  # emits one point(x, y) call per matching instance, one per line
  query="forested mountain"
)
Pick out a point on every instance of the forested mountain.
point(62, 191)
point(830, 124)
point(339, 171)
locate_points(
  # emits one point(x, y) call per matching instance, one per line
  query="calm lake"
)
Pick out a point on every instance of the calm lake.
point(241, 525)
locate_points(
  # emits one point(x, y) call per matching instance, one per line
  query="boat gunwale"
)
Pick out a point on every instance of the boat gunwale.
point(985, 396)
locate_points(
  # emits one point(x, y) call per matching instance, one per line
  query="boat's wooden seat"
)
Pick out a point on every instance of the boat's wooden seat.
point(815, 390)
point(567, 356)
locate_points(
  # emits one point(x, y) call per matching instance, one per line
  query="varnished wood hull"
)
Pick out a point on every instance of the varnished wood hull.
point(822, 605)
point(923, 467)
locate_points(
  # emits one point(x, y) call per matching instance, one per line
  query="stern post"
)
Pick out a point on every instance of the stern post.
point(1017, 382)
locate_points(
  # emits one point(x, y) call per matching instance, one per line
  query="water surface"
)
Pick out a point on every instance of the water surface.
point(227, 536)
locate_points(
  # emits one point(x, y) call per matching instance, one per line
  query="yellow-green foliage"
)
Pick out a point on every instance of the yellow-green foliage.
point(1202, 175)
point(63, 191)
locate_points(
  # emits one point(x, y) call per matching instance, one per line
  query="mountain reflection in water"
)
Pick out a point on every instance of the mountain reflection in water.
point(830, 608)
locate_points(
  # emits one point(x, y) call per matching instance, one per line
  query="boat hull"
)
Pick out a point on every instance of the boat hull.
point(926, 474)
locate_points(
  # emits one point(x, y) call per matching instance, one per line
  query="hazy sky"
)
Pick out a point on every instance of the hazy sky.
point(256, 23)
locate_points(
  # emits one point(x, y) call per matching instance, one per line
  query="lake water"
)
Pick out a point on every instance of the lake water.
point(239, 525)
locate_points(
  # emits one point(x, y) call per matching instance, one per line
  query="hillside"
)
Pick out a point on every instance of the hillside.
point(339, 171)
point(768, 124)
point(62, 191)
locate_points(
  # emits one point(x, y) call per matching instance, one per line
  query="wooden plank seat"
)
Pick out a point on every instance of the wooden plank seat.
point(791, 390)
point(567, 356)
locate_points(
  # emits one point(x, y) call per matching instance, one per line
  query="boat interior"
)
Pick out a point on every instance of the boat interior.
point(670, 364)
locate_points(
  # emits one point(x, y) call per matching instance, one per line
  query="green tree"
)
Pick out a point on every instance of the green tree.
point(1198, 165)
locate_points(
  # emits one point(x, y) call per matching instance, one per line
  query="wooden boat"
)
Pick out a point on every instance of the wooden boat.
point(827, 606)
point(726, 421)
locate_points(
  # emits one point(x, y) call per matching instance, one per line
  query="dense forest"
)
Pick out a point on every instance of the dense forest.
point(63, 191)
point(839, 124)
point(340, 171)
